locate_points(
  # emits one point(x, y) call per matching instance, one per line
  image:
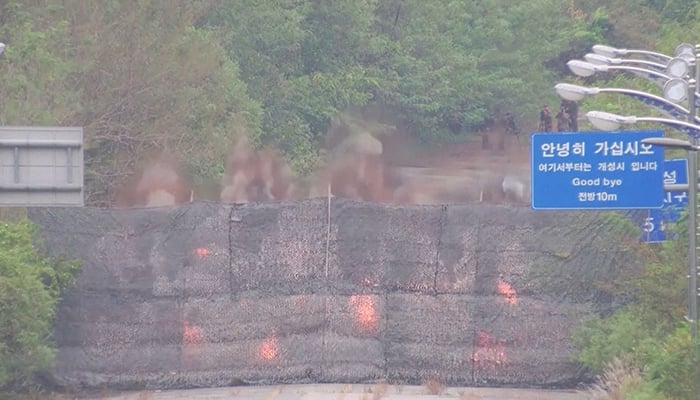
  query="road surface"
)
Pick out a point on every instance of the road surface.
point(349, 392)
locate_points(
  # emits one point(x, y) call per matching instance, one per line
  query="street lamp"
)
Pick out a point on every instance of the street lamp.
point(572, 92)
point(671, 143)
point(598, 59)
point(684, 52)
point(611, 122)
point(586, 69)
point(610, 51)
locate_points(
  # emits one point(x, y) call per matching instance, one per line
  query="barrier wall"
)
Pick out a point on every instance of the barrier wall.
point(208, 294)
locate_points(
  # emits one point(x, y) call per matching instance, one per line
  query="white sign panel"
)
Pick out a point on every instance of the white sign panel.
point(41, 166)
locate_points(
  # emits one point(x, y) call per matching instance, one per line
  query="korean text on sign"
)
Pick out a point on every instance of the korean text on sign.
point(596, 170)
point(617, 148)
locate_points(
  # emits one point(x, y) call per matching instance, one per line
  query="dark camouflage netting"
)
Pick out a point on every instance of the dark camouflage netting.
point(209, 294)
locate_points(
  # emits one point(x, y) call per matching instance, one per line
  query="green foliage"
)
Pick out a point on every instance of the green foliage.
point(648, 331)
point(622, 335)
point(36, 87)
point(670, 367)
point(140, 78)
point(665, 358)
point(444, 68)
point(645, 390)
point(30, 287)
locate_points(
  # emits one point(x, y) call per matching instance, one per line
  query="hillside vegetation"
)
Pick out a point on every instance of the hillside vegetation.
point(188, 77)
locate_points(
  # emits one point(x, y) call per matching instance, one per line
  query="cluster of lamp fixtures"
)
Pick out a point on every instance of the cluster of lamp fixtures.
point(672, 74)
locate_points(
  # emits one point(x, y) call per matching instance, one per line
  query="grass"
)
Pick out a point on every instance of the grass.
point(617, 379)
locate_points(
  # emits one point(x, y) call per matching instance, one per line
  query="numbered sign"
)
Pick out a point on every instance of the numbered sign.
point(659, 223)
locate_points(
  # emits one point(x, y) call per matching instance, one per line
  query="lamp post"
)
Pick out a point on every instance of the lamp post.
point(571, 92)
point(671, 143)
point(594, 58)
point(610, 122)
point(679, 83)
point(684, 50)
point(676, 67)
point(604, 121)
point(586, 69)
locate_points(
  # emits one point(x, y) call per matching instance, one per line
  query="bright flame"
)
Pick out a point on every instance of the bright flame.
point(268, 349)
point(191, 334)
point(366, 316)
point(201, 252)
point(506, 290)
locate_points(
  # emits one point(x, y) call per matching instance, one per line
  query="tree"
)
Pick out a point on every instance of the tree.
point(30, 287)
point(139, 77)
point(154, 83)
point(188, 77)
point(36, 88)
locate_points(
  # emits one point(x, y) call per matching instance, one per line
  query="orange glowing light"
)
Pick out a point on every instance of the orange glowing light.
point(191, 334)
point(268, 349)
point(507, 291)
point(366, 316)
point(201, 252)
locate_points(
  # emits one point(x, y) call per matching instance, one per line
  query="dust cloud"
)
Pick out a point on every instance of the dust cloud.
point(160, 183)
point(256, 176)
point(365, 160)
point(371, 161)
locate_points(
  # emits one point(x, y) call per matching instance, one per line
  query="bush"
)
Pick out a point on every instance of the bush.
point(622, 335)
point(30, 286)
point(665, 360)
point(670, 366)
point(648, 332)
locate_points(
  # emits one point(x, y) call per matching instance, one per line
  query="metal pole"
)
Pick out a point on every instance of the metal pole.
point(692, 240)
point(692, 196)
point(692, 193)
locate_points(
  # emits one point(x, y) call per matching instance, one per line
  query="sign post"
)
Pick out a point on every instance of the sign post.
point(658, 225)
point(596, 170)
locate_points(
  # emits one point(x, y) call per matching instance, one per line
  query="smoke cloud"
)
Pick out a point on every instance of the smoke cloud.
point(256, 176)
point(161, 183)
point(366, 161)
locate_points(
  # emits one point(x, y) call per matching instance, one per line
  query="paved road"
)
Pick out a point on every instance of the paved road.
point(348, 392)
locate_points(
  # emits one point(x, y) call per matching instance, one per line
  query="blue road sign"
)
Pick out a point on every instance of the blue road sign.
point(596, 170)
point(658, 226)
